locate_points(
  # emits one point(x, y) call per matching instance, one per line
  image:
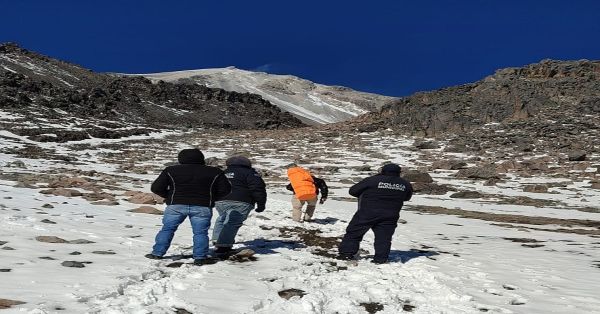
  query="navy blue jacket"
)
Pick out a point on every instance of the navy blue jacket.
point(382, 193)
point(246, 186)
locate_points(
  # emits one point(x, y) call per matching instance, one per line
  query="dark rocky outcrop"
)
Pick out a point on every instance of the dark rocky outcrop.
point(113, 106)
point(551, 104)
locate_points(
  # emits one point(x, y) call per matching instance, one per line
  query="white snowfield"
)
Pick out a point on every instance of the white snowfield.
point(438, 264)
point(313, 103)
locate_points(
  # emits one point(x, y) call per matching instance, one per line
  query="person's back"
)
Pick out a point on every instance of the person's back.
point(306, 188)
point(247, 189)
point(191, 182)
point(382, 193)
point(190, 189)
point(380, 199)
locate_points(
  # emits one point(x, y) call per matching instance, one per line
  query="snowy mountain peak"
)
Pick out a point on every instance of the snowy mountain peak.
point(311, 102)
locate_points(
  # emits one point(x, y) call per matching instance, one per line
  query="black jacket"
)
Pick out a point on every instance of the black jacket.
point(246, 186)
point(320, 185)
point(382, 193)
point(191, 182)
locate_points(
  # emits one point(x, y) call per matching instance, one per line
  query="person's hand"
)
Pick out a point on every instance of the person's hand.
point(259, 209)
point(322, 200)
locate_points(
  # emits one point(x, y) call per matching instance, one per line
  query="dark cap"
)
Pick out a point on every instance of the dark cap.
point(391, 169)
point(191, 156)
point(238, 161)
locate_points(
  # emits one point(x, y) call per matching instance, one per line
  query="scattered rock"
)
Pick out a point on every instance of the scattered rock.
point(104, 252)
point(146, 210)
point(50, 239)
point(467, 194)
point(452, 164)
point(536, 188)
point(3, 243)
point(5, 270)
point(577, 155)
point(74, 264)
point(416, 176)
point(290, 293)
point(408, 307)
point(81, 241)
point(47, 206)
point(47, 258)
point(145, 198)
point(8, 248)
point(16, 164)
point(427, 145)
point(6, 303)
point(372, 307)
point(477, 173)
point(105, 202)
point(48, 221)
point(245, 255)
point(75, 253)
point(62, 192)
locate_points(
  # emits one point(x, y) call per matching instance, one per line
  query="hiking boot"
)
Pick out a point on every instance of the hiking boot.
point(152, 256)
point(223, 252)
point(379, 261)
point(205, 261)
point(345, 257)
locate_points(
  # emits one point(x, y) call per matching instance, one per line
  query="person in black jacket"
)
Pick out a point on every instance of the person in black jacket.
point(247, 190)
point(380, 199)
point(190, 189)
point(320, 186)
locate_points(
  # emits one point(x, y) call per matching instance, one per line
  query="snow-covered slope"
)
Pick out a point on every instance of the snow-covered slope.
point(504, 251)
point(313, 103)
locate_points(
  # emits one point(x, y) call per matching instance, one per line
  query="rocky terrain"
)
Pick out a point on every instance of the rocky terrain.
point(50, 100)
point(310, 102)
point(547, 106)
point(482, 234)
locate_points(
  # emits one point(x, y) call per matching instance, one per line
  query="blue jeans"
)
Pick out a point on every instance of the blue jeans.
point(232, 215)
point(174, 215)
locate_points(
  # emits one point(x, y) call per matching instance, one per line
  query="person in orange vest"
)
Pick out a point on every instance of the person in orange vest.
point(306, 188)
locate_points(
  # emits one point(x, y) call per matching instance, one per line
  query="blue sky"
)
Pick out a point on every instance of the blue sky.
point(388, 47)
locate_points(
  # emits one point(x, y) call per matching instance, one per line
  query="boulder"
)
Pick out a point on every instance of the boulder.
point(466, 194)
point(536, 188)
point(452, 164)
point(577, 155)
point(51, 239)
point(146, 210)
point(7, 303)
point(290, 293)
point(62, 192)
point(145, 198)
point(426, 145)
point(416, 176)
point(477, 173)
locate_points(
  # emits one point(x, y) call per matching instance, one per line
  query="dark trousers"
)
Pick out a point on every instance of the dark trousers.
point(383, 227)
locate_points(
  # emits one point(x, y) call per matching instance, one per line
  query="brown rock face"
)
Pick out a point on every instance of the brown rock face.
point(550, 104)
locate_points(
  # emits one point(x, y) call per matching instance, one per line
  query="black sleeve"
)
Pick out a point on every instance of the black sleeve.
point(358, 189)
point(322, 186)
point(161, 185)
point(258, 189)
point(289, 187)
point(221, 187)
point(409, 191)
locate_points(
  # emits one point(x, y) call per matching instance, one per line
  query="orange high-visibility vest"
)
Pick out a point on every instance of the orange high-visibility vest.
point(303, 183)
